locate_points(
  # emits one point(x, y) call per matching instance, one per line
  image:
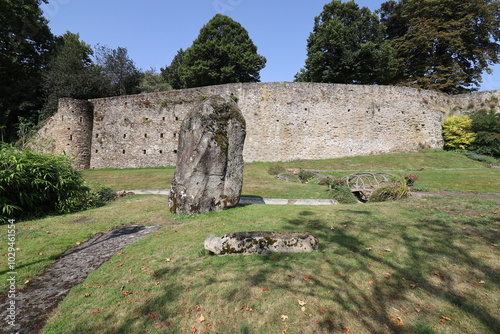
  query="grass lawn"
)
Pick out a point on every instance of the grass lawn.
point(463, 174)
point(426, 265)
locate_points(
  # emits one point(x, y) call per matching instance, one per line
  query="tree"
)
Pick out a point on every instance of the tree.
point(443, 45)
point(120, 76)
point(457, 133)
point(347, 46)
point(174, 73)
point(486, 125)
point(71, 73)
point(222, 53)
point(153, 82)
point(25, 42)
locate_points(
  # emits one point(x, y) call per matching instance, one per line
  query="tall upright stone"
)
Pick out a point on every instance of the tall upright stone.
point(209, 173)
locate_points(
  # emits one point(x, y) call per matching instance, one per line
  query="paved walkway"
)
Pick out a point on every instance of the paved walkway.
point(250, 200)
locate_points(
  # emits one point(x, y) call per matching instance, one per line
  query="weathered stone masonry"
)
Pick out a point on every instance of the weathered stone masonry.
point(285, 121)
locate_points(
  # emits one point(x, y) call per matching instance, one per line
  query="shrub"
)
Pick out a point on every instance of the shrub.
point(340, 192)
point(457, 133)
point(410, 179)
point(276, 169)
point(391, 191)
point(33, 185)
point(486, 125)
point(305, 176)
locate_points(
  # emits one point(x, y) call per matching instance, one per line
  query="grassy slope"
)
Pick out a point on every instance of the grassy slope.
point(257, 182)
point(381, 265)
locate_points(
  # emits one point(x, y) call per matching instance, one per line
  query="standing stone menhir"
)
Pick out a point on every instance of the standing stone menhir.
point(209, 173)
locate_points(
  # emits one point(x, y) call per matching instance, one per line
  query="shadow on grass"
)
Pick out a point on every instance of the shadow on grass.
point(354, 278)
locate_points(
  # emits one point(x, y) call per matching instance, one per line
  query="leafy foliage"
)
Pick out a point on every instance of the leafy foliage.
point(340, 192)
point(305, 175)
point(119, 75)
point(151, 81)
point(486, 125)
point(443, 45)
point(347, 46)
point(71, 73)
point(33, 185)
point(391, 191)
point(25, 44)
point(276, 169)
point(222, 53)
point(457, 132)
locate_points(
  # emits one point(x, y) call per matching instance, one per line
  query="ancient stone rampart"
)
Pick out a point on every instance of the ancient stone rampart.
point(285, 121)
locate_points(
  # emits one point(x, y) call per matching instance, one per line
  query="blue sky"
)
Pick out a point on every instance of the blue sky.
point(153, 30)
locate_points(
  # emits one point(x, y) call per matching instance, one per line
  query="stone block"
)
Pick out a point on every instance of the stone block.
point(261, 243)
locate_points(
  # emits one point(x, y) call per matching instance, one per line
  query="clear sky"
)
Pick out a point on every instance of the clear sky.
point(154, 30)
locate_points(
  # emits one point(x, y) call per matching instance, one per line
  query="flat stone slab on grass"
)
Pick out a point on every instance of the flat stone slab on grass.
point(261, 243)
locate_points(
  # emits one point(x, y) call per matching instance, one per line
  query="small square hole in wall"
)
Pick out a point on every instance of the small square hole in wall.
point(81, 119)
point(96, 151)
point(175, 135)
point(144, 151)
point(175, 151)
point(145, 135)
point(123, 151)
point(163, 118)
point(161, 135)
point(161, 152)
point(177, 118)
point(70, 137)
point(124, 135)
point(97, 135)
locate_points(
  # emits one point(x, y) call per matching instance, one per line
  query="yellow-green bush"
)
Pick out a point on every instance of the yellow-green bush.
point(457, 133)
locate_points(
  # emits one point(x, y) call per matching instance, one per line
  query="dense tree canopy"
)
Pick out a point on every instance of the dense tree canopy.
point(347, 46)
point(25, 42)
point(119, 74)
point(443, 45)
point(71, 73)
point(222, 53)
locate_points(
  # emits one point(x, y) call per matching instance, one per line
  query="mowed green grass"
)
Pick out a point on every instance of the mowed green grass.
point(463, 174)
point(414, 266)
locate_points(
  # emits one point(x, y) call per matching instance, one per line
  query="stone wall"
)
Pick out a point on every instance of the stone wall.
point(68, 132)
point(285, 121)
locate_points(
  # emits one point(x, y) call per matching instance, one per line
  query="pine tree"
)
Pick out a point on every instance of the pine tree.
point(222, 53)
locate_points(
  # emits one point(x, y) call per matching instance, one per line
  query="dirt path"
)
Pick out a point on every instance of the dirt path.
point(35, 302)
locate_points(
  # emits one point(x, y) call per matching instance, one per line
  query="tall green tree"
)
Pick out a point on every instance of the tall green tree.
point(222, 53)
point(119, 75)
point(71, 73)
point(443, 45)
point(151, 81)
point(347, 46)
point(25, 42)
point(174, 74)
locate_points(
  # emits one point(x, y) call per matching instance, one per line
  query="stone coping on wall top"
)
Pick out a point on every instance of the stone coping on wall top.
point(290, 83)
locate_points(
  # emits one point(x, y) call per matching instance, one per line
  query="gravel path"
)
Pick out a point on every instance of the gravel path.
point(35, 302)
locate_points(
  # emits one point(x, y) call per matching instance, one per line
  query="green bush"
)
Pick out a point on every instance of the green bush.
point(32, 185)
point(305, 176)
point(457, 133)
point(390, 191)
point(340, 192)
point(276, 169)
point(486, 125)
